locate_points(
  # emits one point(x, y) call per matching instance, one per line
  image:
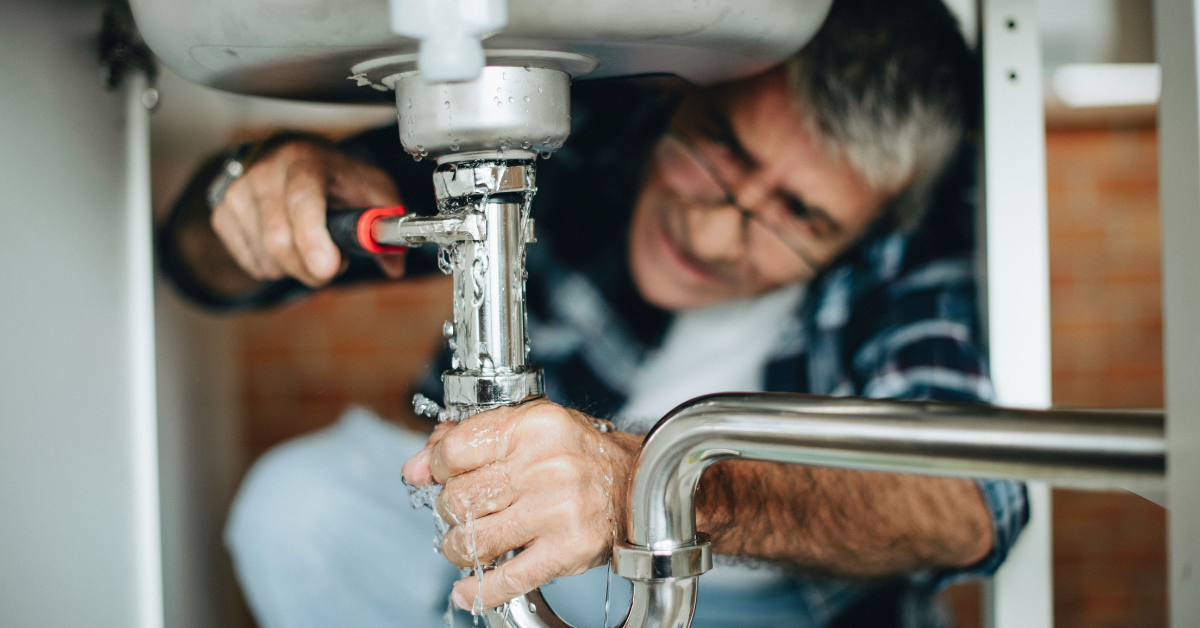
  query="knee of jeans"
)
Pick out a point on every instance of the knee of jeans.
point(290, 500)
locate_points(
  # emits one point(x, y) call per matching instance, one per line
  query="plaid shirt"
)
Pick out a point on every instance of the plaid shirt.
point(894, 317)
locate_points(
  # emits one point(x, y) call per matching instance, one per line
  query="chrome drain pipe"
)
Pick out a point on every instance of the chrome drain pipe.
point(664, 555)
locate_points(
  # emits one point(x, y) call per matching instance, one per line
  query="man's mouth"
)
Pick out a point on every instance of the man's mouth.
point(681, 255)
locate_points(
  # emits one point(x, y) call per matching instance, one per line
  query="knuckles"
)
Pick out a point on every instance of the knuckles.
point(563, 471)
point(295, 151)
point(278, 239)
point(545, 419)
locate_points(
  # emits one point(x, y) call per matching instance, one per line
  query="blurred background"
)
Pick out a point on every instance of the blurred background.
point(232, 386)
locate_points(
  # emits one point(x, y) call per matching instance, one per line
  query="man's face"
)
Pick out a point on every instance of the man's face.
point(796, 208)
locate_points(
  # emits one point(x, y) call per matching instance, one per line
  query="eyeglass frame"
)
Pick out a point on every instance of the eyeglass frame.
point(725, 137)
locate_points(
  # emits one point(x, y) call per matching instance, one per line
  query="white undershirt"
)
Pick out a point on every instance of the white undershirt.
point(719, 348)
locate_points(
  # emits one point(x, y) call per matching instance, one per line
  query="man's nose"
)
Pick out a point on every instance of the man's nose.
point(719, 235)
point(716, 234)
point(754, 190)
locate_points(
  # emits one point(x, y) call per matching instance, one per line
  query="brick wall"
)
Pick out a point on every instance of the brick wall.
point(1106, 317)
point(1106, 344)
point(306, 362)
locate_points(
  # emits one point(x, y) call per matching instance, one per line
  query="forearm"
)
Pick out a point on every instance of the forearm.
point(843, 523)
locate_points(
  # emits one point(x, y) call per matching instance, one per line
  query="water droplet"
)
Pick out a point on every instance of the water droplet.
point(526, 99)
point(547, 140)
point(526, 143)
point(447, 329)
point(532, 606)
point(421, 150)
point(511, 100)
point(504, 76)
point(446, 104)
point(454, 145)
point(410, 103)
point(546, 154)
point(416, 157)
point(497, 90)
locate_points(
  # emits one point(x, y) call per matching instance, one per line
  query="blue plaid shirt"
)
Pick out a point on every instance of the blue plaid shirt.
point(894, 317)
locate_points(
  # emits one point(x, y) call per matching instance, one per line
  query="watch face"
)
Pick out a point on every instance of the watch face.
point(230, 172)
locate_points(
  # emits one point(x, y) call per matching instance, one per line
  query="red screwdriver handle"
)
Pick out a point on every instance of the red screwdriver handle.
point(352, 230)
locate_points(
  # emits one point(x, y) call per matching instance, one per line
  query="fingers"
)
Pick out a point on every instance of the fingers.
point(233, 235)
point(392, 264)
point(272, 220)
point(474, 442)
point(488, 538)
point(290, 179)
point(416, 470)
point(304, 194)
point(536, 476)
point(535, 566)
point(554, 499)
point(478, 494)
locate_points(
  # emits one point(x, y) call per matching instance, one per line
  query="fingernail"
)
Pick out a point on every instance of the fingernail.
point(459, 601)
point(319, 263)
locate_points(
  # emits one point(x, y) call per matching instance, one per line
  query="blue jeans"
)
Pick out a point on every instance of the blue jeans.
point(322, 536)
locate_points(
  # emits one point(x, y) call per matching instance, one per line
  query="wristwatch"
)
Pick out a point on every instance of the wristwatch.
point(244, 156)
point(232, 170)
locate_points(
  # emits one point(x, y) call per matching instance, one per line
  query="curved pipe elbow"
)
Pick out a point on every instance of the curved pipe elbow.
point(1082, 448)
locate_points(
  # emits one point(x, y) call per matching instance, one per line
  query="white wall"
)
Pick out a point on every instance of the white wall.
point(68, 530)
point(200, 461)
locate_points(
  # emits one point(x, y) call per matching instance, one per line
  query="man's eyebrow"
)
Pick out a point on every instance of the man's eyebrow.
point(726, 136)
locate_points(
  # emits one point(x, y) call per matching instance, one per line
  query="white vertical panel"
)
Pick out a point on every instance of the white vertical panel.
point(143, 416)
point(1018, 278)
point(1177, 29)
point(77, 484)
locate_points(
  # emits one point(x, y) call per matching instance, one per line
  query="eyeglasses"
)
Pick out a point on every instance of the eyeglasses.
point(714, 169)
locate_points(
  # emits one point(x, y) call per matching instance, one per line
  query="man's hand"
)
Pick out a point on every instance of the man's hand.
point(537, 476)
point(541, 477)
point(272, 220)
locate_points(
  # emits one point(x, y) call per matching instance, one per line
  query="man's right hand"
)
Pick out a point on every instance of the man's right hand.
point(272, 219)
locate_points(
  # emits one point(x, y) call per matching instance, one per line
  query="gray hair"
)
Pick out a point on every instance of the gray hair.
point(891, 87)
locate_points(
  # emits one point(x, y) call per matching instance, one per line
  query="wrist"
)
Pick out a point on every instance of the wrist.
point(239, 160)
point(624, 447)
point(715, 502)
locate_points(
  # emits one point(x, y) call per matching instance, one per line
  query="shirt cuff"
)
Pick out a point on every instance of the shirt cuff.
point(1009, 508)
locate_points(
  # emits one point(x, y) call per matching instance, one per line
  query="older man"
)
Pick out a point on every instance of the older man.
point(804, 230)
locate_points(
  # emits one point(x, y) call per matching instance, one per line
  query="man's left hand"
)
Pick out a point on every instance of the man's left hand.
point(539, 477)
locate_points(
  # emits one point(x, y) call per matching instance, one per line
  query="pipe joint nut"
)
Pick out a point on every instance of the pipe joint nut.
point(643, 563)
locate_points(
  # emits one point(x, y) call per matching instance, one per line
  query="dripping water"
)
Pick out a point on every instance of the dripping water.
point(477, 605)
point(607, 587)
point(426, 497)
point(448, 616)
